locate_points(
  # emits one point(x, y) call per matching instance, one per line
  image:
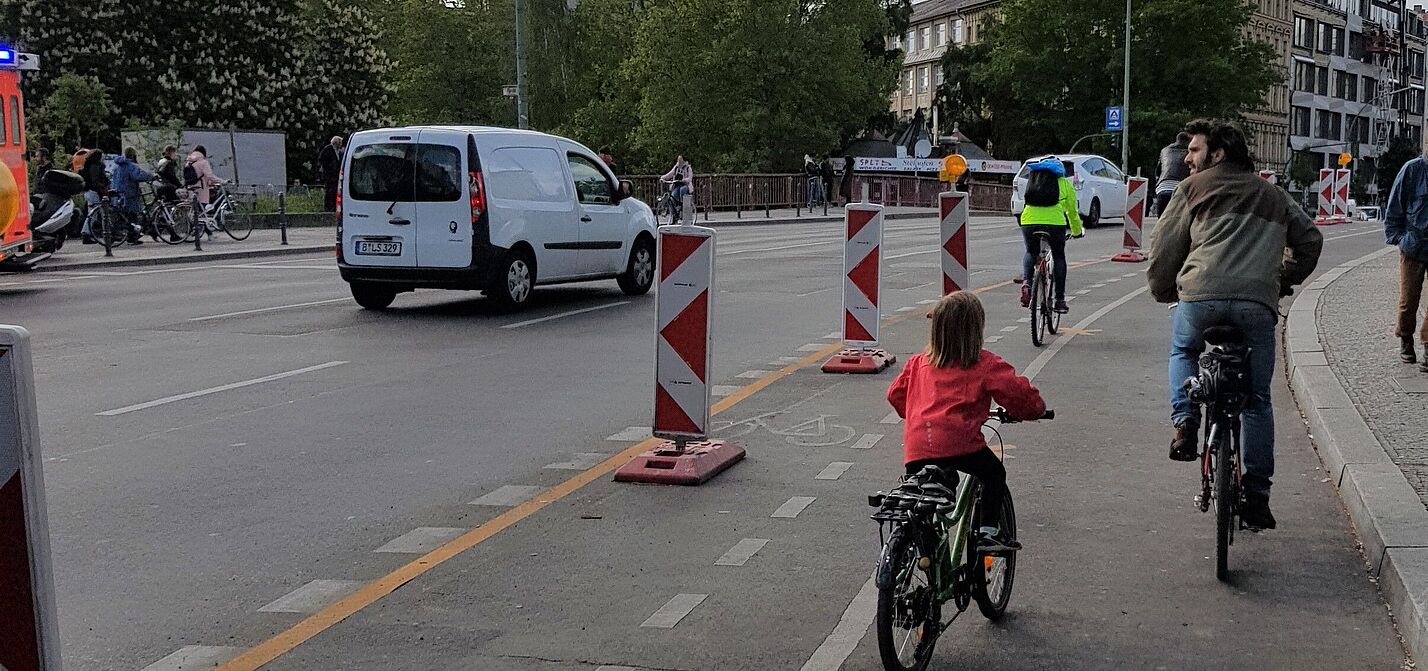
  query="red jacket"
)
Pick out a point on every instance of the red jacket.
point(944, 408)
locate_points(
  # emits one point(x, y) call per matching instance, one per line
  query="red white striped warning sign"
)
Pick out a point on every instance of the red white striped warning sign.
point(955, 207)
point(1136, 190)
point(684, 308)
point(862, 268)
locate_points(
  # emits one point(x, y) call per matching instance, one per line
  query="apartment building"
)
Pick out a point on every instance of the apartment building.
point(1268, 124)
point(1357, 79)
point(935, 25)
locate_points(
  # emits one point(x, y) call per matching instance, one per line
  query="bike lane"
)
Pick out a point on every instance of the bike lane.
point(755, 569)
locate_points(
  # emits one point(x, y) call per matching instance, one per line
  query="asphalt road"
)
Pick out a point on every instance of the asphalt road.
point(220, 436)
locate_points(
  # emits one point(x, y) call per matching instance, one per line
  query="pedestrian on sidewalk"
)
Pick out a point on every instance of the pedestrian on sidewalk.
point(96, 184)
point(1170, 170)
point(945, 394)
point(825, 173)
point(199, 178)
point(329, 168)
point(845, 188)
point(1405, 225)
point(1228, 246)
point(130, 203)
point(168, 173)
point(814, 179)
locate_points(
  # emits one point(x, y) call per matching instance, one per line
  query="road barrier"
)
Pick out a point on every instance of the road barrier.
point(862, 314)
point(29, 634)
point(1136, 191)
point(1341, 195)
point(955, 208)
point(1324, 215)
point(684, 311)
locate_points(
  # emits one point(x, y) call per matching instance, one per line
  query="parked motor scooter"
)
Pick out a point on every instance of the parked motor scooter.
point(52, 208)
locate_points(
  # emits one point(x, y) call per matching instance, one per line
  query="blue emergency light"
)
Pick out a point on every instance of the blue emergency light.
point(7, 55)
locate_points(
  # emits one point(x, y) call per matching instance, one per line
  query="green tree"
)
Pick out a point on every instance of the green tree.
point(1304, 169)
point(716, 85)
point(77, 109)
point(604, 99)
point(1056, 64)
point(452, 61)
point(1400, 150)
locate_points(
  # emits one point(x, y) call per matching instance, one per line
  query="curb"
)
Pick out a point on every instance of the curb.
point(1385, 510)
point(190, 257)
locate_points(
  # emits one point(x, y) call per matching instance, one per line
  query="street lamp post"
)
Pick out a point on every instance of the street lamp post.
point(522, 115)
point(1125, 99)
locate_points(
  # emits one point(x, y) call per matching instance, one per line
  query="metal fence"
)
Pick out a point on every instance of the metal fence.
point(741, 192)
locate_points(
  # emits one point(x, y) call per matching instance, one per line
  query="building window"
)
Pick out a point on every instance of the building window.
point(1327, 125)
point(1299, 121)
point(907, 83)
point(922, 37)
point(911, 45)
point(1356, 46)
point(1346, 86)
point(936, 76)
point(959, 31)
point(1304, 32)
point(1331, 39)
point(1370, 86)
point(1415, 63)
point(941, 33)
point(1322, 87)
point(922, 75)
point(1303, 76)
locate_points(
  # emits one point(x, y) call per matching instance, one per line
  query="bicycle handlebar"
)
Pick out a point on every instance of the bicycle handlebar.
point(1004, 417)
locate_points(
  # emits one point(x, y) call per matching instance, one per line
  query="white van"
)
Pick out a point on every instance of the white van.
point(492, 209)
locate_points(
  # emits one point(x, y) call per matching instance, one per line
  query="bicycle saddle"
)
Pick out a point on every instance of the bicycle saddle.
point(1041, 234)
point(1223, 335)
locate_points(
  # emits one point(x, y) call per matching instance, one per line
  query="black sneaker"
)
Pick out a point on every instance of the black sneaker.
point(88, 240)
point(1255, 512)
point(1406, 353)
point(1182, 446)
point(991, 540)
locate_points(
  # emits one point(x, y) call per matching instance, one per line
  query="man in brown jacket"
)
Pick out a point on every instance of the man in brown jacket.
point(1227, 247)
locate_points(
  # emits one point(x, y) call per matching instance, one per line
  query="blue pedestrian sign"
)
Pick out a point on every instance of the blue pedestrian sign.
point(1115, 119)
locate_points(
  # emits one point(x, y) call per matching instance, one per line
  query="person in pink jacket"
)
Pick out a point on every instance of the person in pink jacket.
point(198, 175)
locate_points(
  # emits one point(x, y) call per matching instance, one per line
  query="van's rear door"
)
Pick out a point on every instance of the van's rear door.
point(378, 201)
point(443, 202)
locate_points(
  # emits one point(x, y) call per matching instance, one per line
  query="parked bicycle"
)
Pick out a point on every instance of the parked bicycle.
point(1044, 317)
point(1222, 386)
point(930, 556)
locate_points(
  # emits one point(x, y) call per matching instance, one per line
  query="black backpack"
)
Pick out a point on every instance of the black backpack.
point(1043, 188)
point(190, 174)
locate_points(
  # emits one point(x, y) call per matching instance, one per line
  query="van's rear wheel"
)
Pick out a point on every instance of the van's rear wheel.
point(372, 297)
point(639, 272)
point(514, 280)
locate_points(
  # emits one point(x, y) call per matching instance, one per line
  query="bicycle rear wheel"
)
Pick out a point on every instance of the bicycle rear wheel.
point(1224, 490)
point(994, 575)
point(1048, 306)
point(1039, 283)
point(906, 618)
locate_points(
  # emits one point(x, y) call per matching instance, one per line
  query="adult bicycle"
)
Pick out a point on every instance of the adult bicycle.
point(217, 217)
point(1222, 386)
point(106, 223)
point(1044, 316)
point(171, 219)
point(931, 556)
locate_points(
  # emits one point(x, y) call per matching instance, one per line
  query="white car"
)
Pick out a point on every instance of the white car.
point(490, 209)
point(1100, 188)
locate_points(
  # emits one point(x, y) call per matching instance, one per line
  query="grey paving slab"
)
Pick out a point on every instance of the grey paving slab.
point(1385, 508)
point(1404, 581)
point(1321, 387)
point(1345, 439)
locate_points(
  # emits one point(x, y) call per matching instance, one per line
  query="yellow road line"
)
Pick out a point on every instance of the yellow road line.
point(285, 641)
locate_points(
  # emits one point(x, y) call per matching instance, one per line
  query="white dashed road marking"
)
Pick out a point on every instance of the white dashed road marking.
point(723, 389)
point(631, 434)
point(793, 507)
point(508, 495)
point(742, 552)
point(272, 309)
point(867, 441)
point(421, 540)
point(562, 315)
point(994, 338)
point(892, 418)
point(580, 461)
point(834, 470)
point(194, 658)
point(814, 346)
point(753, 374)
point(1009, 329)
point(312, 597)
point(834, 335)
point(215, 390)
point(850, 629)
point(674, 610)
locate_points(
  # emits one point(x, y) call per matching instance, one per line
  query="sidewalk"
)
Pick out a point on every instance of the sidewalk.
point(266, 242)
point(1368, 413)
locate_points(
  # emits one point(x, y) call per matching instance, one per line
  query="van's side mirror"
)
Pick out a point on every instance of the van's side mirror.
point(626, 190)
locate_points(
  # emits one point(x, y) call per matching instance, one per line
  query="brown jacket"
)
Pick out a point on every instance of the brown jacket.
point(1229, 235)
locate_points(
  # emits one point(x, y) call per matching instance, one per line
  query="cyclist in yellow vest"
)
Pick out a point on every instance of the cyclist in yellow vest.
point(1050, 208)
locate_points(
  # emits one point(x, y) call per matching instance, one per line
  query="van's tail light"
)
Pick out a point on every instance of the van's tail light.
point(340, 182)
point(478, 197)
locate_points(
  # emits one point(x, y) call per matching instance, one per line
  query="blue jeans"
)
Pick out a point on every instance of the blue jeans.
point(1257, 421)
point(91, 201)
point(679, 192)
point(815, 191)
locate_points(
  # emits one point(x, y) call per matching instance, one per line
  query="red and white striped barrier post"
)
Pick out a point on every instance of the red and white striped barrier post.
point(955, 208)
point(1324, 214)
point(862, 274)
point(29, 635)
point(1136, 189)
point(1268, 176)
point(684, 312)
point(1341, 195)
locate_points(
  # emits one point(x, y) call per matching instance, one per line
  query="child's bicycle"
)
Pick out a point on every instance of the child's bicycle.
point(931, 557)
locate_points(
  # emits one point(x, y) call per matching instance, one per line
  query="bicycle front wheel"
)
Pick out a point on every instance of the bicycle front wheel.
point(906, 618)
point(238, 228)
point(1039, 283)
point(994, 575)
point(1225, 495)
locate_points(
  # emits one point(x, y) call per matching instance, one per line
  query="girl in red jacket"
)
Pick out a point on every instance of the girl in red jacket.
point(945, 394)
